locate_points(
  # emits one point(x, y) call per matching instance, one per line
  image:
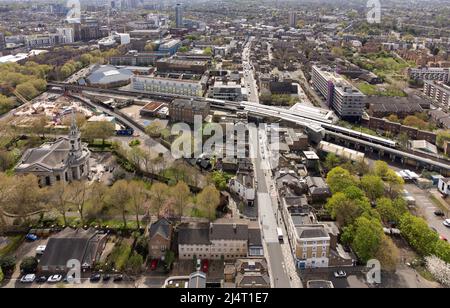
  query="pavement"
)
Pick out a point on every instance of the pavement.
point(249, 79)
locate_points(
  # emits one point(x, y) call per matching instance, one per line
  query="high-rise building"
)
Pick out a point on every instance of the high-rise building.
point(179, 15)
point(346, 100)
point(2, 41)
point(292, 19)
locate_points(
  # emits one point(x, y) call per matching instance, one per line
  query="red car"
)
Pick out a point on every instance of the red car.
point(154, 265)
point(205, 266)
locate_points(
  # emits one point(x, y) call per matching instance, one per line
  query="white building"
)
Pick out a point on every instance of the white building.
point(438, 92)
point(168, 85)
point(444, 186)
point(346, 100)
point(66, 159)
point(230, 91)
point(430, 73)
point(244, 186)
point(66, 35)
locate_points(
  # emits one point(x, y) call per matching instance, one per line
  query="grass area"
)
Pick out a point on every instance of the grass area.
point(12, 246)
point(373, 90)
point(119, 256)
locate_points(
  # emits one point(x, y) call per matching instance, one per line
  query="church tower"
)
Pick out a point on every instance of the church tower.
point(75, 138)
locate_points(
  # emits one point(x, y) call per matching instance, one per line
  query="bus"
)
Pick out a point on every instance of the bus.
point(280, 235)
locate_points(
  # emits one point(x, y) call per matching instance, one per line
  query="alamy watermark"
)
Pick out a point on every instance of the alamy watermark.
point(373, 276)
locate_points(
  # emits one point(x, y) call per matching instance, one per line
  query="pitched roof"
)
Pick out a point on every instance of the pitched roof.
point(71, 244)
point(161, 227)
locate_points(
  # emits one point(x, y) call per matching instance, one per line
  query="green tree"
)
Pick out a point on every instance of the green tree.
point(27, 90)
point(208, 51)
point(6, 103)
point(416, 231)
point(7, 264)
point(180, 192)
point(154, 129)
point(1, 275)
point(159, 193)
point(367, 239)
point(98, 130)
point(209, 200)
point(388, 254)
point(373, 186)
point(118, 197)
point(134, 264)
point(339, 179)
point(332, 161)
point(29, 265)
point(391, 210)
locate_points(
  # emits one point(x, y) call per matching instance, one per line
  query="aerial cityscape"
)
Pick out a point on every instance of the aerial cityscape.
point(225, 144)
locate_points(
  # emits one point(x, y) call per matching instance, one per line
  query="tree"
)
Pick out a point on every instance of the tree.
point(388, 254)
point(208, 51)
point(381, 169)
point(220, 180)
point(39, 125)
point(367, 239)
point(339, 179)
point(416, 231)
point(79, 194)
point(118, 198)
point(7, 264)
point(209, 200)
point(180, 192)
point(98, 130)
point(442, 137)
point(6, 103)
point(134, 263)
point(158, 195)
point(138, 197)
point(61, 198)
point(27, 90)
point(416, 122)
point(393, 118)
point(331, 161)
point(395, 183)
point(151, 47)
point(29, 265)
point(169, 258)
point(154, 129)
point(391, 210)
point(442, 250)
point(373, 186)
point(1, 275)
point(24, 195)
point(439, 269)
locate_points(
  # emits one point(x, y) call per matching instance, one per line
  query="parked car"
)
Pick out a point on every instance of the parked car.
point(96, 277)
point(446, 223)
point(439, 213)
point(54, 278)
point(118, 278)
point(205, 266)
point(30, 278)
point(153, 264)
point(340, 274)
point(41, 279)
point(106, 277)
point(40, 250)
point(31, 237)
